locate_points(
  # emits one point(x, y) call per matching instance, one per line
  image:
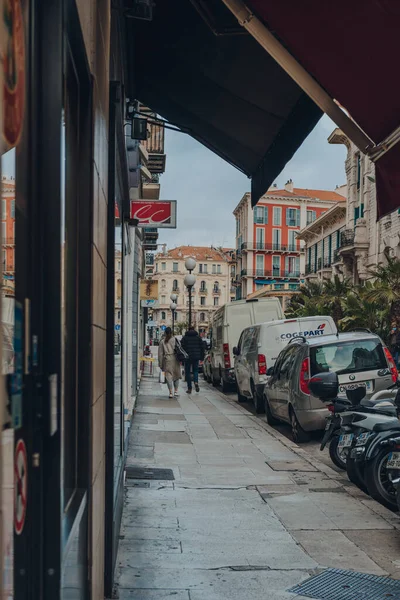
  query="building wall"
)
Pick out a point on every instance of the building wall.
point(8, 236)
point(95, 22)
point(218, 272)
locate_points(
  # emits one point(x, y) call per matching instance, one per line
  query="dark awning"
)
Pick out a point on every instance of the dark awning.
point(351, 48)
point(224, 89)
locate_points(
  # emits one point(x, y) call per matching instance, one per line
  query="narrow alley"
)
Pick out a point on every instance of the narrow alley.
point(248, 514)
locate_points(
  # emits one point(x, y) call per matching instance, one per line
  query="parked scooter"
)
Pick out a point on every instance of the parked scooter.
point(351, 420)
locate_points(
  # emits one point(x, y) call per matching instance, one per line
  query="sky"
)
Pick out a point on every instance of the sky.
point(208, 189)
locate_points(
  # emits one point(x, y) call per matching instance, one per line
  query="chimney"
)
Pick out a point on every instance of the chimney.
point(289, 186)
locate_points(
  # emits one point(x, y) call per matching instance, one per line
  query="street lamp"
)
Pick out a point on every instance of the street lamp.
point(189, 282)
point(173, 306)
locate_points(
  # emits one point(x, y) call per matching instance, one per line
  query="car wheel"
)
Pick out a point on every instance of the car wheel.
point(298, 434)
point(225, 386)
point(337, 457)
point(214, 381)
point(270, 418)
point(257, 400)
point(355, 472)
point(378, 480)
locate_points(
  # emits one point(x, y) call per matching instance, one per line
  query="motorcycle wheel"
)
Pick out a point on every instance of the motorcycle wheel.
point(337, 457)
point(355, 472)
point(377, 480)
point(398, 496)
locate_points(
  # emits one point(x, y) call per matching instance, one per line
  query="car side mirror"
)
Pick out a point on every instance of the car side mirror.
point(236, 351)
point(270, 371)
point(324, 386)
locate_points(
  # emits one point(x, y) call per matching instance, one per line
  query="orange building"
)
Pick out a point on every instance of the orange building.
point(270, 257)
point(8, 235)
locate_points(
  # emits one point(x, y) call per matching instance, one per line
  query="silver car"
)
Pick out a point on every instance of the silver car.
point(359, 358)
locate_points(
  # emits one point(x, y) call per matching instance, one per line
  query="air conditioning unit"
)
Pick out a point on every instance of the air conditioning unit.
point(140, 9)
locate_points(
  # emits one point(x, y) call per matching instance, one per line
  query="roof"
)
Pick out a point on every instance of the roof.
point(336, 211)
point(325, 195)
point(197, 252)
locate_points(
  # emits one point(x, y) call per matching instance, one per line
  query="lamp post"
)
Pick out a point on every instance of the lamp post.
point(189, 282)
point(173, 306)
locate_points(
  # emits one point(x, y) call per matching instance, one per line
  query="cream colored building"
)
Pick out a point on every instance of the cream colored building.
point(213, 287)
point(349, 240)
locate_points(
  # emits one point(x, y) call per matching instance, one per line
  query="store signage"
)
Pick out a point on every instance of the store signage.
point(154, 213)
point(149, 289)
point(149, 303)
point(13, 71)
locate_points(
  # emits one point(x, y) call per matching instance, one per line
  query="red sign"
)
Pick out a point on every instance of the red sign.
point(154, 213)
point(13, 72)
point(20, 486)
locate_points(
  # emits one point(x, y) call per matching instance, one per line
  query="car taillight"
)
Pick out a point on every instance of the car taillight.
point(305, 376)
point(227, 356)
point(331, 408)
point(392, 365)
point(262, 364)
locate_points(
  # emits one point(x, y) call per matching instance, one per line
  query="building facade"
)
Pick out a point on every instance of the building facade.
point(8, 235)
point(269, 255)
point(213, 287)
point(349, 240)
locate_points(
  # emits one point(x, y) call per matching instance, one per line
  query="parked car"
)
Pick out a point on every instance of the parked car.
point(227, 325)
point(207, 367)
point(359, 358)
point(259, 347)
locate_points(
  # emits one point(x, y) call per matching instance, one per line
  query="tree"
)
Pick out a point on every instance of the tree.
point(335, 293)
point(307, 301)
point(181, 327)
point(386, 291)
point(359, 312)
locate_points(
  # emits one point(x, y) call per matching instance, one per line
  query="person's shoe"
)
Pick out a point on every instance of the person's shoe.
point(196, 385)
point(171, 395)
point(189, 391)
point(176, 394)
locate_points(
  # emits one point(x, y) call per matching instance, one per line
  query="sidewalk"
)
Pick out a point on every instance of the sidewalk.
point(248, 515)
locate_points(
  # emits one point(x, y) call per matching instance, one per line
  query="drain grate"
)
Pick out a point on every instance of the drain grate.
point(337, 584)
point(148, 473)
point(139, 484)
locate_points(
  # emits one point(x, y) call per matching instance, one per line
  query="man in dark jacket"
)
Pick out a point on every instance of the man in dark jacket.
point(193, 345)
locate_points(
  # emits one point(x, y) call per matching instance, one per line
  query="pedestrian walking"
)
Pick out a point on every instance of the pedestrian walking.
point(169, 363)
point(193, 345)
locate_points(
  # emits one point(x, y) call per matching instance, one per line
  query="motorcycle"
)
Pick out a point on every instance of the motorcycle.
point(350, 422)
point(382, 466)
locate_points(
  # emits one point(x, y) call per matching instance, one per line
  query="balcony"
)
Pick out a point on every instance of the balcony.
point(8, 242)
point(280, 273)
point(176, 290)
point(337, 257)
point(216, 291)
point(203, 291)
point(261, 246)
point(347, 238)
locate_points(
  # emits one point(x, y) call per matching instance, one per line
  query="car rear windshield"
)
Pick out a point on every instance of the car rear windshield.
point(347, 357)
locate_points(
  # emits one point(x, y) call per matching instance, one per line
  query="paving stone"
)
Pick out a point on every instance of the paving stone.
point(151, 437)
point(140, 594)
point(383, 547)
point(291, 465)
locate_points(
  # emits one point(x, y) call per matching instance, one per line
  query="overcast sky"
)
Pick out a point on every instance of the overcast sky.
point(208, 189)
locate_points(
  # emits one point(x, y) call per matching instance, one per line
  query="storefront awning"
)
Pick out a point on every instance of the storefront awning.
point(351, 50)
point(220, 86)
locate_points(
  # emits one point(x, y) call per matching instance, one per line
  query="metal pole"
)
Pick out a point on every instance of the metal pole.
point(173, 322)
point(190, 306)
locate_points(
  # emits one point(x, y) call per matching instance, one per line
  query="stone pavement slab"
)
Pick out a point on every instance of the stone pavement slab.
point(249, 513)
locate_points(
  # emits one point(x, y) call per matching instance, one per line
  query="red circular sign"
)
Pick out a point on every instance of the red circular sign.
point(13, 72)
point(20, 486)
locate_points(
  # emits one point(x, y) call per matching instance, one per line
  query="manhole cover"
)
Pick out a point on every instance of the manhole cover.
point(337, 584)
point(147, 473)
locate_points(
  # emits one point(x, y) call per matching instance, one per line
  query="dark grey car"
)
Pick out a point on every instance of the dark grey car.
point(359, 359)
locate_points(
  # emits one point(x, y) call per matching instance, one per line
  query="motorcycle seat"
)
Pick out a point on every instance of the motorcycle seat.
point(373, 403)
point(387, 426)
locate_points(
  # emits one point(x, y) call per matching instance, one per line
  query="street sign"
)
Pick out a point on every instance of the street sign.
point(149, 303)
point(151, 323)
point(163, 328)
point(117, 327)
point(154, 213)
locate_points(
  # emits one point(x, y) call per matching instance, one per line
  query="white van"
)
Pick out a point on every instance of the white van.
point(227, 324)
point(259, 347)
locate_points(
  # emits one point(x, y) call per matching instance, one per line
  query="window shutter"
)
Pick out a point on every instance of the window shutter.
point(286, 263)
point(255, 214)
point(266, 215)
point(298, 217)
point(287, 216)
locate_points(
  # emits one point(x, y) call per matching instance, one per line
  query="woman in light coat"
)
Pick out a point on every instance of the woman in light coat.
point(168, 362)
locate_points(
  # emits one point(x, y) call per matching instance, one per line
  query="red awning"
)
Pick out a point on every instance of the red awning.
point(351, 49)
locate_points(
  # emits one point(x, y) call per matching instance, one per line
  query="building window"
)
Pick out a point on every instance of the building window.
point(3, 231)
point(175, 267)
point(259, 286)
point(175, 285)
point(276, 239)
point(163, 315)
point(277, 215)
point(200, 268)
point(202, 317)
point(293, 286)
point(214, 269)
point(292, 241)
point(276, 266)
point(204, 268)
point(292, 266)
point(163, 266)
point(203, 286)
point(261, 215)
point(163, 298)
point(4, 209)
point(260, 239)
point(216, 301)
point(13, 209)
point(218, 269)
point(259, 265)
point(163, 283)
point(203, 301)
point(311, 216)
point(279, 286)
point(216, 287)
point(292, 217)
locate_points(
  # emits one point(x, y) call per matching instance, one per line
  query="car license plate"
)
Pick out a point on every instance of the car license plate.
point(352, 386)
point(393, 461)
point(362, 438)
point(345, 440)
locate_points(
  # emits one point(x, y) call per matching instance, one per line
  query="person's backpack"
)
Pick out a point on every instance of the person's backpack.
point(180, 353)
